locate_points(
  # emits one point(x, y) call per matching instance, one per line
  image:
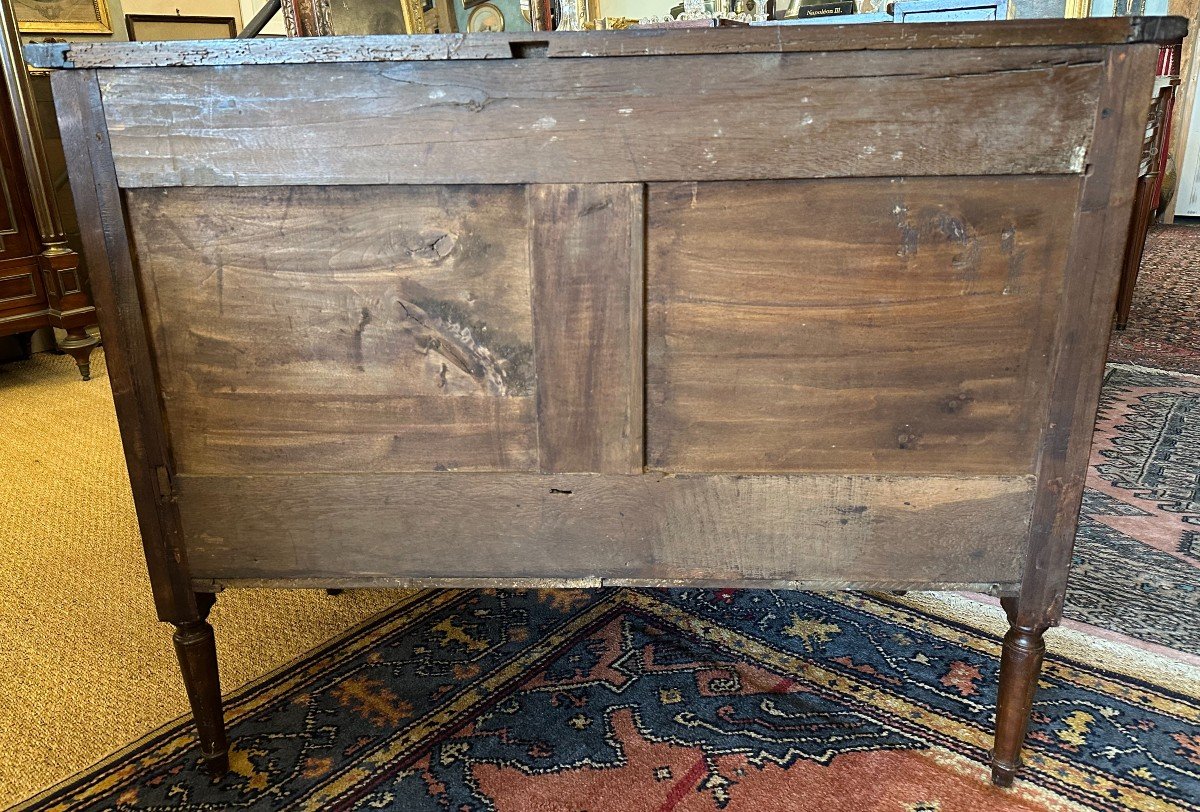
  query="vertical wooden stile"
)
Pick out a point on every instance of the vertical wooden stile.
point(587, 258)
point(119, 310)
point(1085, 319)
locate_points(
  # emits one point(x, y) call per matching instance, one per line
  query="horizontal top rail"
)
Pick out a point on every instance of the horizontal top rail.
point(635, 42)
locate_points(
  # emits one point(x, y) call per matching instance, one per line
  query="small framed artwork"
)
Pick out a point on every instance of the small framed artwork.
point(62, 16)
point(485, 17)
point(146, 27)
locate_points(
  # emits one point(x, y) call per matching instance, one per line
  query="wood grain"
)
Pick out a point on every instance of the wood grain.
point(333, 329)
point(128, 355)
point(293, 429)
point(566, 527)
point(895, 327)
point(309, 49)
point(586, 248)
point(871, 37)
point(596, 121)
point(589, 582)
point(651, 42)
point(1089, 295)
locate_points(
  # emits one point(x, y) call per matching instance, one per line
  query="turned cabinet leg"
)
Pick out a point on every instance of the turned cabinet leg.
point(1020, 664)
point(197, 651)
point(1143, 215)
point(79, 345)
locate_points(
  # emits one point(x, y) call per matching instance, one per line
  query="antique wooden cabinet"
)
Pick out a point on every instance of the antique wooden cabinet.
point(41, 283)
point(792, 307)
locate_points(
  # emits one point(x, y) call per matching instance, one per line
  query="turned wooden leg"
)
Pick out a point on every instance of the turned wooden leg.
point(1135, 246)
point(79, 345)
point(1020, 664)
point(197, 652)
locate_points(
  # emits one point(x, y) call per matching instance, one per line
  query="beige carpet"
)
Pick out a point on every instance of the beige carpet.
point(85, 667)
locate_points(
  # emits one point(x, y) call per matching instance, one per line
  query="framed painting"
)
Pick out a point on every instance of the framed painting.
point(62, 16)
point(146, 27)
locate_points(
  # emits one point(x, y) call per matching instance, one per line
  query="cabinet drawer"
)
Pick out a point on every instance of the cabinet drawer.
point(20, 289)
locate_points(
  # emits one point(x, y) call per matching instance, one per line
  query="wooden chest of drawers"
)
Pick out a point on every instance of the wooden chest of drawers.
point(757, 307)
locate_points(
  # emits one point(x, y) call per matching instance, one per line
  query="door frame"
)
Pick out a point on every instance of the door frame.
point(1185, 110)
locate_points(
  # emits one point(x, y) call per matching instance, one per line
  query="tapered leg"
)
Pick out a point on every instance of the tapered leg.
point(197, 651)
point(1020, 664)
point(79, 345)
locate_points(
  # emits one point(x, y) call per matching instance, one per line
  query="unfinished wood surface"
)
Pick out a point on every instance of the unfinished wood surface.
point(377, 329)
point(281, 51)
point(886, 36)
point(855, 325)
point(594, 121)
point(586, 247)
point(656, 42)
point(128, 355)
point(590, 582)
point(570, 526)
point(1096, 248)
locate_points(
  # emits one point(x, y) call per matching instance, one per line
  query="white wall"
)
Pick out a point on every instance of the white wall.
point(117, 9)
point(176, 8)
point(185, 8)
point(251, 7)
point(636, 9)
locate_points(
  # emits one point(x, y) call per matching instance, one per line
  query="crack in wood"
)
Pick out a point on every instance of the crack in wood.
point(363, 321)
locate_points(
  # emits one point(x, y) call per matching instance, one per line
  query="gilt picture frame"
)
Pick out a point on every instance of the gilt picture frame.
point(62, 16)
point(412, 12)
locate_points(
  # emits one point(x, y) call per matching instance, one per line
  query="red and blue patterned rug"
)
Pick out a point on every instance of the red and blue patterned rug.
point(667, 701)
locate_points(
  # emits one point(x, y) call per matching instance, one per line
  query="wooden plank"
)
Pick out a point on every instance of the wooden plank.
point(896, 327)
point(657, 42)
point(235, 432)
point(887, 36)
point(1089, 294)
point(586, 246)
point(1005, 588)
point(309, 329)
point(270, 51)
point(130, 366)
point(564, 527)
point(597, 121)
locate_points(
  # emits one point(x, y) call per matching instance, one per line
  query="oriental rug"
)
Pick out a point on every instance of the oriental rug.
point(1136, 568)
point(672, 700)
point(1164, 320)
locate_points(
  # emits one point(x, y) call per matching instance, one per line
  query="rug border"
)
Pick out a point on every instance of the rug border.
point(1078, 648)
point(230, 700)
point(1088, 650)
point(1159, 370)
